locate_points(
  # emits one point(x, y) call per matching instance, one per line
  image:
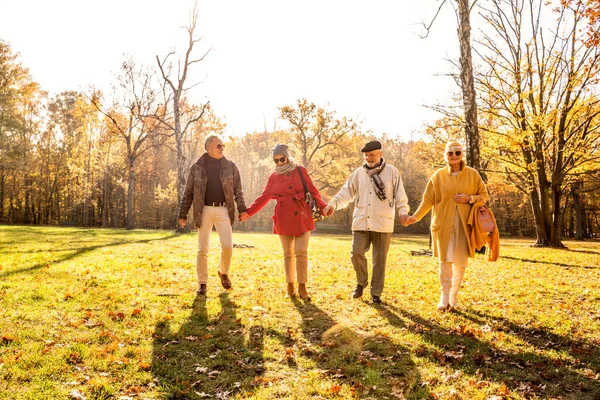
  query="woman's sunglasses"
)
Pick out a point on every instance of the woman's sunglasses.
point(279, 160)
point(456, 153)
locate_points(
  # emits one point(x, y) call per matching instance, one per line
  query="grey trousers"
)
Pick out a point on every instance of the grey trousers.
point(361, 241)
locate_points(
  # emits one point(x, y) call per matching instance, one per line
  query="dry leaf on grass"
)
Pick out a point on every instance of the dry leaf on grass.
point(76, 395)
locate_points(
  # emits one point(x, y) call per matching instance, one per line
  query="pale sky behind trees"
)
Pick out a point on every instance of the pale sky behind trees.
point(363, 58)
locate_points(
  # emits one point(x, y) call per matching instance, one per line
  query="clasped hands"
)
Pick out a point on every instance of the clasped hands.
point(407, 220)
point(460, 198)
point(328, 211)
point(243, 216)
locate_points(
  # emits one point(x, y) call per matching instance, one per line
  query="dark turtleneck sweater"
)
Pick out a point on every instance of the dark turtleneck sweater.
point(214, 187)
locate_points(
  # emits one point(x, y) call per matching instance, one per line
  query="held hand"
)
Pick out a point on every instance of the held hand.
point(182, 222)
point(243, 216)
point(328, 211)
point(461, 198)
point(403, 218)
point(410, 220)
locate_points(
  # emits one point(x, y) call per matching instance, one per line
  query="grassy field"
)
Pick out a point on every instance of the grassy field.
point(114, 314)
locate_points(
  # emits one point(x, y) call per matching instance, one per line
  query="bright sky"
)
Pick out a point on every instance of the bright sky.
point(363, 58)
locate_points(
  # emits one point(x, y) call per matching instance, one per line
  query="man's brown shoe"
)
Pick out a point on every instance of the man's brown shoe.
point(225, 280)
point(202, 289)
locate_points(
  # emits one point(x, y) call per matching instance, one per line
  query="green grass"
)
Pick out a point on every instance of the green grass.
point(113, 314)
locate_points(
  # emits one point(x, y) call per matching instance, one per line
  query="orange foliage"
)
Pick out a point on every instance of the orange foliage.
point(591, 10)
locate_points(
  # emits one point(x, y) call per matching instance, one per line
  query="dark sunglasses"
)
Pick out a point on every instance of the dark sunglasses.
point(279, 160)
point(456, 153)
point(220, 146)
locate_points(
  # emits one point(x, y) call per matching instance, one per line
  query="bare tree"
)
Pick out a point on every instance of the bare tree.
point(181, 121)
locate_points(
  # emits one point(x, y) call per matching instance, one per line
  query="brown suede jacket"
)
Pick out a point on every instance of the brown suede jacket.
point(195, 189)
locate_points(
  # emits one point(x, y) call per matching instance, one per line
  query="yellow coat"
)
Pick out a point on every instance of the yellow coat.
point(438, 195)
point(479, 237)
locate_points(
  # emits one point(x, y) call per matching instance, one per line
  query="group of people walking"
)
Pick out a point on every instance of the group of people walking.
point(214, 188)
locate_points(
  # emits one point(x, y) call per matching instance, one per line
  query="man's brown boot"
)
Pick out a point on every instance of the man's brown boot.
point(225, 280)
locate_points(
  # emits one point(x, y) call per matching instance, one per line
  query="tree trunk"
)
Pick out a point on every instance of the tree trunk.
point(542, 237)
point(557, 222)
point(2, 197)
point(105, 199)
point(130, 192)
point(579, 212)
point(181, 161)
point(26, 216)
point(468, 85)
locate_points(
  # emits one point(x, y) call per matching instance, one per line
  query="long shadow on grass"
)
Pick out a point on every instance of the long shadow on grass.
point(550, 263)
point(363, 362)
point(78, 251)
point(526, 372)
point(207, 358)
point(583, 251)
point(587, 353)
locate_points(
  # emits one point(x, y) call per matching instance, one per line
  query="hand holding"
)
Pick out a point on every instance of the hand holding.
point(243, 216)
point(328, 211)
point(403, 218)
point(410, 220)
point(461, 198)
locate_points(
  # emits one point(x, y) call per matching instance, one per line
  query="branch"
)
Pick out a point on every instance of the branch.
point(428, 27)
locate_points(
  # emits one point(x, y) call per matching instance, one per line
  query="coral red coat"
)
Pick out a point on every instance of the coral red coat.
point(292, 216)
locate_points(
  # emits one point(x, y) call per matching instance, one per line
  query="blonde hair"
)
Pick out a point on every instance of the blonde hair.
point(452, 144)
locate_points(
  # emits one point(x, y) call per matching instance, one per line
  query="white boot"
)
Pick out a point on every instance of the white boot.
point(457, 276)
point(445, 284)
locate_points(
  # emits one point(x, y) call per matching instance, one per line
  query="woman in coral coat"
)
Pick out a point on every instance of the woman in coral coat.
point(292, 219)
point(451, 192)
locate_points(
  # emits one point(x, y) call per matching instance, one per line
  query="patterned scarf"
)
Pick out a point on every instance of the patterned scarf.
point(285, 168)
point(376, 179)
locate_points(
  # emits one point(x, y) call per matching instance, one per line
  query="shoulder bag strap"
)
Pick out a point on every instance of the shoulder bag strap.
point(302, 179)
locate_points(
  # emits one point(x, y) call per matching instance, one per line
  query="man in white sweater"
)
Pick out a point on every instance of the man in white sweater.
point(377, 191)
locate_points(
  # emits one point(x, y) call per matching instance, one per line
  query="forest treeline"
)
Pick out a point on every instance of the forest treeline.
point(119, 159)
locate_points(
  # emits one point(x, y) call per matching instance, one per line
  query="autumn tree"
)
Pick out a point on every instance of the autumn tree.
point(129, 119)
point(20, 102)
point(319, 137)
point(539, 92)
point(590, 9)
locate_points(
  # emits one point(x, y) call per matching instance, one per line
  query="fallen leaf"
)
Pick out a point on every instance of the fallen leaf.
point(144, 366)
point(335, 389)
point(453, 377)
point(503, 390)
point(76, 395)
point(7, 338)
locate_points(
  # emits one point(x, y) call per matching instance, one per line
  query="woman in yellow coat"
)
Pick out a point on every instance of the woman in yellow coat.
point(451, 192)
